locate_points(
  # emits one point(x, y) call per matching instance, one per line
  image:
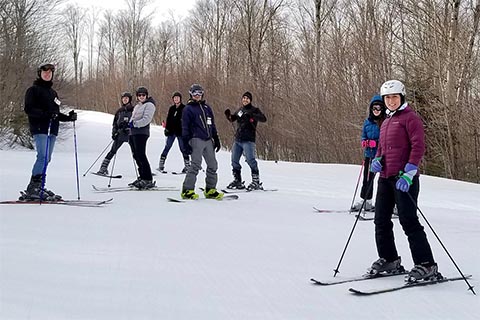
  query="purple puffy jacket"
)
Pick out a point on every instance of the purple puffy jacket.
point(402, 141)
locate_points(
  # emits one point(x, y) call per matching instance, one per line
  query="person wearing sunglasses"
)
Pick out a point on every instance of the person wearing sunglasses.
point(139, 125)
point(400, 151)
point(42, 107)
point(370, 136)
point(200, 140)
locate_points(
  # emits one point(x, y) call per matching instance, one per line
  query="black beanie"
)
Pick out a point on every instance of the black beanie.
point(177, 94)
point(248, 95)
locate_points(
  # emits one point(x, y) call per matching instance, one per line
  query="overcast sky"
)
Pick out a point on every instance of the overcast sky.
point(162, 8)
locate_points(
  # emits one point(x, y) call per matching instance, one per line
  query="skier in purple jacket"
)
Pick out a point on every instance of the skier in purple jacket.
point(400, 150)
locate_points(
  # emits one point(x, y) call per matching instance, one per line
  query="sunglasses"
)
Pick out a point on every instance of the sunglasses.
point(375, 108)
point(197, 93)
point(141, 95)
point(48, 67)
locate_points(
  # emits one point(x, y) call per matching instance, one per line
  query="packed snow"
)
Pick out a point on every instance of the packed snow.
point(142, 257)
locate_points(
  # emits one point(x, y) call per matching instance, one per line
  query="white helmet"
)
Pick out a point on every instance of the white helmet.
point(392, 87)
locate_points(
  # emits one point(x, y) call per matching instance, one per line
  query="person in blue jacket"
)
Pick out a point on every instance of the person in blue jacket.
point(370, 137)
point(200, 139)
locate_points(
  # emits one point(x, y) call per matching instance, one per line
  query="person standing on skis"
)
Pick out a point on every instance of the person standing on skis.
point(247, 118)
point(173, 130)
point(120, 130)
point(139, 125)
point(42, 107)
point(400, 150)
point(200, 139)
point(370, 136)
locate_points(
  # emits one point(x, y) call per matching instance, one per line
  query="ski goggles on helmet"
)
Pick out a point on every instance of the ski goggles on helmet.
point(47, 67)
point(197, 93)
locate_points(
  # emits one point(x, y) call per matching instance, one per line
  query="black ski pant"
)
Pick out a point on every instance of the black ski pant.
point(139, 144)
point(117, 143)
point(387, 197)
point(367, 186)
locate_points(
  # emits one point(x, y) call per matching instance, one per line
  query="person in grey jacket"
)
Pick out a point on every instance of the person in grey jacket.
point(139, 125)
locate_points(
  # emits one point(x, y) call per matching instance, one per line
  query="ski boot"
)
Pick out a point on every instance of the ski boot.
point(104, 167)
point(142, 184)
point(187, 165)
point(383, 266)
point(189, 194)
point(161, 164)
point(423, 273)
point(255, 184)
point(212, 193)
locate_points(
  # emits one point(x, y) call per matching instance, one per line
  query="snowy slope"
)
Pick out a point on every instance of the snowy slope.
point(142, 257)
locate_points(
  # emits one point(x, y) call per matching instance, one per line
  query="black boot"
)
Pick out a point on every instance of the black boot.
point(186, 162)
point(161, 164)
point(237, 182)
point(34, 190)
point(104, 167)
point(256, 184)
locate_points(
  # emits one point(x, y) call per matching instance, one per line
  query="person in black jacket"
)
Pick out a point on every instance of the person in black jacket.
point(120, 130)
point(42, 107)
point(247, 118)
point(173, 129)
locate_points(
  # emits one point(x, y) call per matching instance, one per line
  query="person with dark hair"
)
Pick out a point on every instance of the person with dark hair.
point(400, 150)
point(173, 130)
point(370, 137)
point(247, 118)
point(139, 125)
point(200, 139)
point(42, 107)
point(120, 130)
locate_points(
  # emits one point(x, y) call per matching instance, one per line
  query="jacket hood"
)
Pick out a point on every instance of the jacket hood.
point(376, 100)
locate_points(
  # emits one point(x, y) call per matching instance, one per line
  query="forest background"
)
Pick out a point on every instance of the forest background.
point(311, 65)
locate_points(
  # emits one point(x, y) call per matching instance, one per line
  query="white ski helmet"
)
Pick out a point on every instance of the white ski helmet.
point(393, 87)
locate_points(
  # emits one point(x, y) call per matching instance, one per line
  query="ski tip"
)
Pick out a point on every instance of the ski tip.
point(357, 292)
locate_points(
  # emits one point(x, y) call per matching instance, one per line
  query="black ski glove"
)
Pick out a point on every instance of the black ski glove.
point(216, 143)
point(72, 116)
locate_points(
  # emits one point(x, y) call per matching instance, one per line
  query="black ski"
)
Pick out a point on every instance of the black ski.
point(405, 286)
point(172, 172)
point(329, 210)
point(225, 197)
point(366, 276)
point(121, 189)
point(76, 203)
point(246, 190)
point(364, 218)
point(118, 176)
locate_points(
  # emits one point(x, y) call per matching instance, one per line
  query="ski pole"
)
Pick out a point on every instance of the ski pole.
point(470, 287)
point(76, 159)
point(336, 270)
point(358, 182)
point(108, 145)
point(45, 162)
point(130, 142)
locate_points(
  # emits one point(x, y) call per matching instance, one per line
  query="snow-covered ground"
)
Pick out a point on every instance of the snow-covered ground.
point(142, 257)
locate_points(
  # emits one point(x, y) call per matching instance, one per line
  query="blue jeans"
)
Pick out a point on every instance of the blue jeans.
point(169, 143)
point(41, 147)
point(247, 148)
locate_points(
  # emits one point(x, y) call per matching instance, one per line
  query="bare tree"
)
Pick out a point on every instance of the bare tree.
point(73, 26)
